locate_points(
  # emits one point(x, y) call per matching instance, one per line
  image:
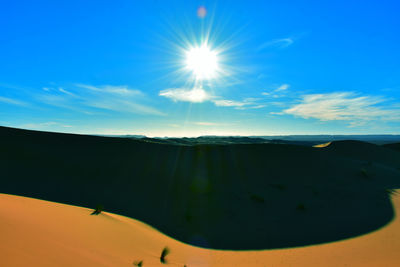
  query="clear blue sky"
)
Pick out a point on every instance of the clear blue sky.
point(120, 67)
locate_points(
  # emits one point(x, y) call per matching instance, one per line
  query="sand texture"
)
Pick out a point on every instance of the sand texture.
point(41, 233)
point(278, 199)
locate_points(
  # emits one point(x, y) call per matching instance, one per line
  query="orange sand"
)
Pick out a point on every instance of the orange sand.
point(42, 233)
point(323, 145)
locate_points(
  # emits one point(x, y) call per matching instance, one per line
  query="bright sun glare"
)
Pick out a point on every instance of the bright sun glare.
point(202, 61)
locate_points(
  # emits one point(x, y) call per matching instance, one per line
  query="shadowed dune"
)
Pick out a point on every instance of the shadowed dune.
point(394, 146)
point(244, 196)
point(368, 152)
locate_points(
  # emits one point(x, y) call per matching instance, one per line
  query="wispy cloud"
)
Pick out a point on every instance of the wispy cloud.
point(195, 95)
point(257, 106)
point(62, 101)
point(199, 95)
point(44, 125)
point(277, 43)
point(346, 106)
point(83, 97)
point(123, 106)
point(66, 92)
point(12, 101)
point(283, 87)
point(247, 103)
point(278, 92)
point(119, 90)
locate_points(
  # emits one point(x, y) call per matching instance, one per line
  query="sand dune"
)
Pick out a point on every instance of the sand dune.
point(367, 152)
point(42, 233)
point(238, 197)
point(394, 146)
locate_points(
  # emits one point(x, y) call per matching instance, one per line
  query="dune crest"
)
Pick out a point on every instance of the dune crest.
point(323, 145)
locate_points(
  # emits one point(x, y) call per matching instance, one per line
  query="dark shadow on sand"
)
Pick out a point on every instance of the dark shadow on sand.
point(241, 197)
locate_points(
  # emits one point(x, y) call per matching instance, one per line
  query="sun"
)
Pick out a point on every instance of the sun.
point(202, 61)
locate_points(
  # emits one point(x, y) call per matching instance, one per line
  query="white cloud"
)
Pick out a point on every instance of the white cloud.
point(195, 95)
point(247, 103)
point(12, 101)
point(283, 87)
point(346, 106)
point(279, 43)
point(228, 103)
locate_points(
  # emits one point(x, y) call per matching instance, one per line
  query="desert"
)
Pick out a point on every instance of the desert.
point(210, 205)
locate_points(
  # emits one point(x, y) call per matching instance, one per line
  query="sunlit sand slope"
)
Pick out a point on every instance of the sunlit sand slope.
point(323, 145)
point(41, 233)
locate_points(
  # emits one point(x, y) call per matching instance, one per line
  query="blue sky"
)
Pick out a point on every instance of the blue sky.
point(284, 67)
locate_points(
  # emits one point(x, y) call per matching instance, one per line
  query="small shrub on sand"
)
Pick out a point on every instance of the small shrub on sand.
point(164, 253)
point(257, 198)
point(98, 210)
point(138, 264)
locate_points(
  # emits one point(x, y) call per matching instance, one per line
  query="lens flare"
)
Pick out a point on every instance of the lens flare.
point(201, 12)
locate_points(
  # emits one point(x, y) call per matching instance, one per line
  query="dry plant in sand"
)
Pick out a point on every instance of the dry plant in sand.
point(98, 210)
point(164, 253)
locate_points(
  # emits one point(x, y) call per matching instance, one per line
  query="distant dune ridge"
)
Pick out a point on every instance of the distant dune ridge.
point(233, 196)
